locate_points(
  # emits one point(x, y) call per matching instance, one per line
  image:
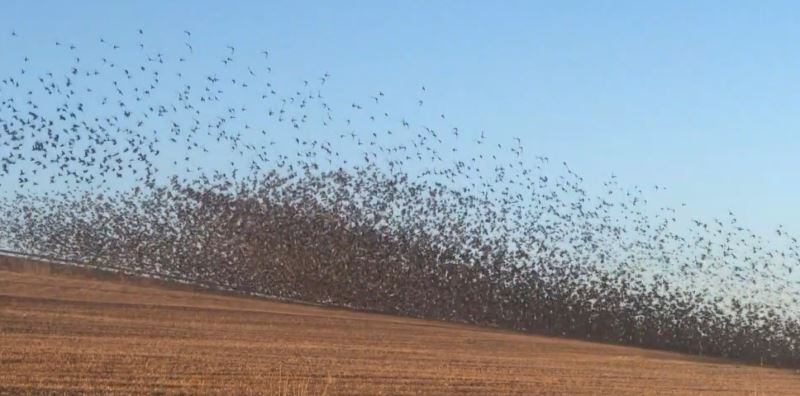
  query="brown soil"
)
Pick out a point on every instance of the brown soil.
point(66, 330)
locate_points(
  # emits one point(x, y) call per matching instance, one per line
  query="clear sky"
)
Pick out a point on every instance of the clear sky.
point(700, 97)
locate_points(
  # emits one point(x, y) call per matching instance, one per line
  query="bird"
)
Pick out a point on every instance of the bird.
point(240, 180)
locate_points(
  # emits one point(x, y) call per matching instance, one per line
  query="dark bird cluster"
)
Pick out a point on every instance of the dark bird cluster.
point(142, 161)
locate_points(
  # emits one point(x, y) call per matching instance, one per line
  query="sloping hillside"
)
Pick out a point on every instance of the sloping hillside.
point(69, 330)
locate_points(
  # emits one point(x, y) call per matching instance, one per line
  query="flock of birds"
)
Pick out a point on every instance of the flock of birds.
point(143, 161)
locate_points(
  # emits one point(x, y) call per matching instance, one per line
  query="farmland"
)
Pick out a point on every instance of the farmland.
point(69, 330)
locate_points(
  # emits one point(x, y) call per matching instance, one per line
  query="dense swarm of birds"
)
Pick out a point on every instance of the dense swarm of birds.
point(146, 162)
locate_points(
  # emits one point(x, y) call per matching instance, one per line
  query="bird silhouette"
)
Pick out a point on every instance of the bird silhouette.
point(174, 166)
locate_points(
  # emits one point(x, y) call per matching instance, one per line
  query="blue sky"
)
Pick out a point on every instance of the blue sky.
point(700, 97)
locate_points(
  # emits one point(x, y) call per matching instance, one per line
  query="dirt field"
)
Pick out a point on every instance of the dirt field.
point(71, 331)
